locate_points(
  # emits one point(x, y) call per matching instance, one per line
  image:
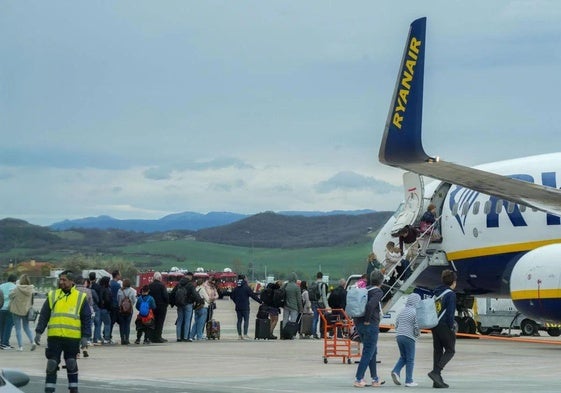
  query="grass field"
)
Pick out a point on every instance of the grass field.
point(336, 262)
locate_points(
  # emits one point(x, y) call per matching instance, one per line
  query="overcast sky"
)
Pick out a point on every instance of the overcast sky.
point(138, 109)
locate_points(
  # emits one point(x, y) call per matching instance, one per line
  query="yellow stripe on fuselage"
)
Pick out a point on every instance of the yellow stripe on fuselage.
point(535, 294)
point(496, 250)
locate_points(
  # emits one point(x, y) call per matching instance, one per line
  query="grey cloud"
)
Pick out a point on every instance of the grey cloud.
point(218, 163)
point(348, 180)
point(163, 172)
point(157, 173)
point(236, 184)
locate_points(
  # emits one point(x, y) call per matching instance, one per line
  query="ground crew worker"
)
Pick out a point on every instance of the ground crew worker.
point(67, 315)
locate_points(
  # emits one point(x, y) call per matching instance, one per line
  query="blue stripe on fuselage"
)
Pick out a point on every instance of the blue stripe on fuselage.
point(484, 275)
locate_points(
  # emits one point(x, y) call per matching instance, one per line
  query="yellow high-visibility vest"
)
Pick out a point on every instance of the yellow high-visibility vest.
point(65, 313)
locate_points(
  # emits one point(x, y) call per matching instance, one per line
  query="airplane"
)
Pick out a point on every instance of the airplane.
point(500, 222)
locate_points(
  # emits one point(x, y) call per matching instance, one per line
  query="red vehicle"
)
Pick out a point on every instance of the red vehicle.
point(169, 279)
point(225, 282)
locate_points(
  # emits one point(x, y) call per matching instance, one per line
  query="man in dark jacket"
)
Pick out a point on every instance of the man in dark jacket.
point(338, 301)
point(240, 296)
point(444, 334)
point(160, 294)
point(368, 328)
point(183, 296)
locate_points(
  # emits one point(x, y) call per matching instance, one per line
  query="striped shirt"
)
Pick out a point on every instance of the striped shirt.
point(406, 323)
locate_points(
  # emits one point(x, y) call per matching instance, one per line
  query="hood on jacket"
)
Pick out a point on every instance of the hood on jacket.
point(183, 281)
point(292, 277)
point(413, 300)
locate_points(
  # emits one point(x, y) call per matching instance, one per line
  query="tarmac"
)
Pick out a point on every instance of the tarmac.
point(236, 366)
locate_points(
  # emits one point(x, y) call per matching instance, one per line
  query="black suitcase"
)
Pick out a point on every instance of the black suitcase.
point(289, 330)
point(262, 329)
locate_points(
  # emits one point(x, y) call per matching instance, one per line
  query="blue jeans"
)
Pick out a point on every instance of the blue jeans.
point(199, 324)
point(125, 327)
point(406, 347)
point(106, 320)
point(369, 337)
point(315, 321)
point(22, 322)
point(6, 325)
point(242, 315)
point(183, 323)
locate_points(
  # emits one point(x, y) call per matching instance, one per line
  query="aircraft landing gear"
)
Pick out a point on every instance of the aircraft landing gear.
point(465, 321)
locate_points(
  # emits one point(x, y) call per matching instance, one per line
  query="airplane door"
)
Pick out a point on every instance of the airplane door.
point(413, 188)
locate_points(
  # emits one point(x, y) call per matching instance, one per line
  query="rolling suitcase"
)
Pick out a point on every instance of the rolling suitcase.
point(262, 329)
point(213, 330)
point(290, 330)
point(306, 324)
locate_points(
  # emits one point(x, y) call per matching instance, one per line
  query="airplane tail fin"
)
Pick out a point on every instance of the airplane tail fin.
point(401, 142)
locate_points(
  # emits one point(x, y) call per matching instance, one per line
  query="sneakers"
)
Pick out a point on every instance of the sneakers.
point(395, 377)
point(377, 382)
point(246, 337)
point(137, 341)
point(411, 384)
point(359, 384)
point(20, 349)
point(33, 346)
point(240, 337)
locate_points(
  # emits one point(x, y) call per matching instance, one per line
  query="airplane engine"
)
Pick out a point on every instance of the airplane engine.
point(535, 284)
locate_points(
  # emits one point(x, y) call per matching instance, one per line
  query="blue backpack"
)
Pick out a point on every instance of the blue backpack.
point(144, 308)
point(356, 301)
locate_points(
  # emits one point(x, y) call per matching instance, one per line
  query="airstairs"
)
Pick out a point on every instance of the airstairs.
point(423, 254)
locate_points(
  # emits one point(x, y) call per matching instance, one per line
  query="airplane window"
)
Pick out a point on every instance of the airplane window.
point(510, 207)
point(476, 207)
point(455, 209)
point(499, 207)
point(465, 209)
point(522, 208)
point(487, 207)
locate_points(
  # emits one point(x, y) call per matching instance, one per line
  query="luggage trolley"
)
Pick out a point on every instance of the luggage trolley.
point(337, 323)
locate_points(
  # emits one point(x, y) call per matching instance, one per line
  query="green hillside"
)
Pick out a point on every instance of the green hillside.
point(337, 261)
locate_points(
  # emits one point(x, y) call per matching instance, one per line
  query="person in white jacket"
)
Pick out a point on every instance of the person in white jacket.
point(21, 300)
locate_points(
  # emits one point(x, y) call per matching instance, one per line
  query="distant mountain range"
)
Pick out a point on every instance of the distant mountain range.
point(182, 221)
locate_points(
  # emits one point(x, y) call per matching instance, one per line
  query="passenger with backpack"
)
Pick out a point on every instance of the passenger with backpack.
point(407, 330)
point(183, 296)
point(318, 296)
point(368, 327)
point(292, 308)
point(444, 334)
point(240, 296)
point(267, 297)
point(126, 297)
point(145, 320)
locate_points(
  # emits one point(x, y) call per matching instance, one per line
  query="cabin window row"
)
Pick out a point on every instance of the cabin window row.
point(510, 207)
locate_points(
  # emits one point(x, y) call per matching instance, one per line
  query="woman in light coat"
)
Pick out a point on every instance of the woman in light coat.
point(21, 300)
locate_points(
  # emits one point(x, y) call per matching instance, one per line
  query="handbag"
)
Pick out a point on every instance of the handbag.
point(32, 314)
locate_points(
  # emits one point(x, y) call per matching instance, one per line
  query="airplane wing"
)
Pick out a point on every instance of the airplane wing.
point(402, 143)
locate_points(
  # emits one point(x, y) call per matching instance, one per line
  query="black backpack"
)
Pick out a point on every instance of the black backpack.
point(267, 296)
point(181, 296)
point(279, 297)
point(313, 292)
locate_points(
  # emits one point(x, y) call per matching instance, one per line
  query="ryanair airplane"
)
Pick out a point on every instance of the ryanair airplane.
point(500, 222)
